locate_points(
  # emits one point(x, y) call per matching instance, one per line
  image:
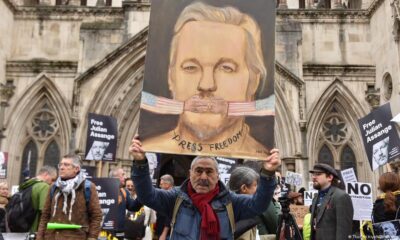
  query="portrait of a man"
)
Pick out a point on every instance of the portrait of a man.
point(380, 153)
point(97, 150)
point(388, 230)
point(216, 70)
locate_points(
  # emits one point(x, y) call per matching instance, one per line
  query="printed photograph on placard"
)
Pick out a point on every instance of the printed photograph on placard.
point(209, 78)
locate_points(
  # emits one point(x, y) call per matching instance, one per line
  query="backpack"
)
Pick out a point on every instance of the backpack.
point(135, 228)
point(87, 192)
point(20, 211)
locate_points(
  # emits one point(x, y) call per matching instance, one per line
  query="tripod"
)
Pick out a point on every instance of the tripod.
point(287, 226)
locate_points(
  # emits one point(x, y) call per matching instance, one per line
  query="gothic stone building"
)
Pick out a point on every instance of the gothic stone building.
point(62, 59)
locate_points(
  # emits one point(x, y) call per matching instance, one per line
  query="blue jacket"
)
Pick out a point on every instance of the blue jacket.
point(188, 218)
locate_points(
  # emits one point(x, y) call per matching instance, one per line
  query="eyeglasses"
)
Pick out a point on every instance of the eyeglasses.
point(64, 164)
point(199, 171)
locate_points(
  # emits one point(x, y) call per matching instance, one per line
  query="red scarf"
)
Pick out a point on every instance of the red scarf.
point(209, 220)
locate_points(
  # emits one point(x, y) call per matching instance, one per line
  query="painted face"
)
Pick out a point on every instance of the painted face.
point(98, 148)
point(66, 170)
point(211, 67)
point(380, 151)
point(321, 180)
point(204, 175)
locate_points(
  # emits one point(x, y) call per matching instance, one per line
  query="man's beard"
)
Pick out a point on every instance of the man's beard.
point(205, 131)
point(317, 186)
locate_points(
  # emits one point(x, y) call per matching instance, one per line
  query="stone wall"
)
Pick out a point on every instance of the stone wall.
point(6, 28)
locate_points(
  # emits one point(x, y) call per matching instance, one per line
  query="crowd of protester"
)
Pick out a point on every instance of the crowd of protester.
point(248, 207)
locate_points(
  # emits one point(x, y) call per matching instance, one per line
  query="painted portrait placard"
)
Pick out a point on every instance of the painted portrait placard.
point(209, 78)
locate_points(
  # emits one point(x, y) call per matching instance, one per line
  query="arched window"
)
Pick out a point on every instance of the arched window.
point(325, 156)
point(29, 160)
point(52, 154)
point(348, 159)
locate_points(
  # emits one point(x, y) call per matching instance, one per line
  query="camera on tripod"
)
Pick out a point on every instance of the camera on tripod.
point(287, 226)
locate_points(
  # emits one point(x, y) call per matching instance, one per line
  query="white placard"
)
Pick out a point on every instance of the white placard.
point(293, 178)
point(349, 175)
point(14, 189)
point(361, 196)
point(308, 197)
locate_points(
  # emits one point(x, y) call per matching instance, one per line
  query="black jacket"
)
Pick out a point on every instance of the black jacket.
point(379, 214)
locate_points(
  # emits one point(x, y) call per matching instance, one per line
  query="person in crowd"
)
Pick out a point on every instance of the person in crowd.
point(296, 198)
point(125, 202)
point(68, 204)
point(386, 207)
point(202, 207)
point(332, 209)
point(4, 197)
point(244, 180)
point(40, 188)
point(163, 222)
point(130, 187)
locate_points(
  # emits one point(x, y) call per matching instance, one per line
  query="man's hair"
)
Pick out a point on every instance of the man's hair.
point(204, 157)
point(168, 178)
point(52, 171)
point(114, 172)
point(202, 12)
point(240, 176)
point(76, 159)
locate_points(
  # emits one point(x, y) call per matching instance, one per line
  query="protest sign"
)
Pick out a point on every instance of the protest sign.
point(101, 141)
point(361, 196)
point(108, 189)
point(225, 167)
point(387, 230)
point(154, 166)
point(299, 212)
point(181, 113)
point(348, 175)
point(310, 186)
point(308, 197)
point(89, 171)
point(380, 137)
point(293, 178)
point(3, 164)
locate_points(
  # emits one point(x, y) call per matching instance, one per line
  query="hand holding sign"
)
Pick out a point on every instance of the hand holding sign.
point(273, 161)
point(136, 149)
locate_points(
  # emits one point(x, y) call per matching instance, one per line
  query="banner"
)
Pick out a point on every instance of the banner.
point(348, 175)
point(381, 140)
point(361, 196)
point(3, 165)
point(209, 91)
point(108, 189)
point(101, 143)
point(225, 167)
